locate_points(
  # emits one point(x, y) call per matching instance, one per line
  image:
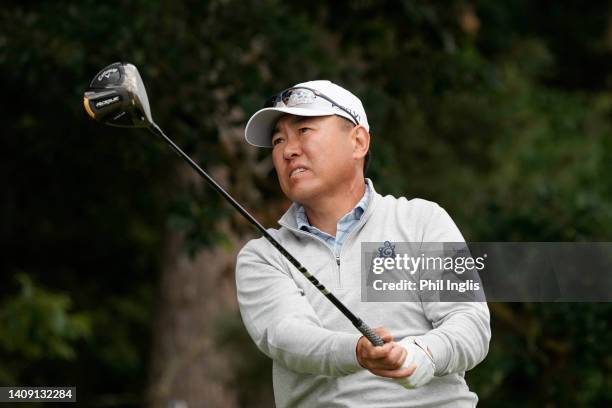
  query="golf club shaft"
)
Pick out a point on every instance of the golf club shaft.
point(357, 322)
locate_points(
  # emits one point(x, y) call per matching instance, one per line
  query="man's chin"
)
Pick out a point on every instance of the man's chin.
point(302, 192)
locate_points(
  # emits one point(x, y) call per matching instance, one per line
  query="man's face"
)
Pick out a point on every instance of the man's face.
point(313, 156)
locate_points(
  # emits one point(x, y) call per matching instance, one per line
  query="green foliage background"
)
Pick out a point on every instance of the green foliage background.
point(499, 111)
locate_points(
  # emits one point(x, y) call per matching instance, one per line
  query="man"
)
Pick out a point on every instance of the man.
point(319, 136)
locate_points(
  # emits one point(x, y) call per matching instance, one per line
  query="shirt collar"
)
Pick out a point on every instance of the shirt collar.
point(356, 212)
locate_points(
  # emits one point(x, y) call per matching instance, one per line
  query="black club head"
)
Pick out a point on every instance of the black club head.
point(117, 97)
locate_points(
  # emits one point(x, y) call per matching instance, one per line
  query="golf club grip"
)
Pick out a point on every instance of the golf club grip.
point(370, 335)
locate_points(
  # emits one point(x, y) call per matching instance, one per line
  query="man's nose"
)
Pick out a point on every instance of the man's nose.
point(292, 147)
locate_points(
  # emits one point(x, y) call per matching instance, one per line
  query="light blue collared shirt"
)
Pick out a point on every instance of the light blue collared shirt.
point(345, 224)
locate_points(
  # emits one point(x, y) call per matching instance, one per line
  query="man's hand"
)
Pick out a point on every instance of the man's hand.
point(386, 360)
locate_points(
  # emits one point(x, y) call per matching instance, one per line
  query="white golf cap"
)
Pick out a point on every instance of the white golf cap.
point(258, 131)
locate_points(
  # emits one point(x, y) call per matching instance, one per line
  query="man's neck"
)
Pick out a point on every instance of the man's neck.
point(325, 213)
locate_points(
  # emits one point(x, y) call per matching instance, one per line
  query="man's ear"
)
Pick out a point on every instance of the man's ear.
point(361, 141)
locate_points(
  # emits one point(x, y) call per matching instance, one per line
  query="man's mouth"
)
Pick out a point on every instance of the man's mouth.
point(297, 171)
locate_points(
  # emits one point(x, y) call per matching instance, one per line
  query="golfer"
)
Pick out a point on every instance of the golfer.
point(318, 133)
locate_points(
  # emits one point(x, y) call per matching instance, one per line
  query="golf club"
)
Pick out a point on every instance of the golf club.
point(117, 97)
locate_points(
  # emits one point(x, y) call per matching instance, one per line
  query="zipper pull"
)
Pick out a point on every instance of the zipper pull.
point(338, 260)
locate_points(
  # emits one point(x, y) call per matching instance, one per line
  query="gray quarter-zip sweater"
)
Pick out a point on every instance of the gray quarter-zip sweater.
point(312, 344)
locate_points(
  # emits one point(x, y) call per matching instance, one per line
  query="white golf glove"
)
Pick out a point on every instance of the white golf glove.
point(425, 366)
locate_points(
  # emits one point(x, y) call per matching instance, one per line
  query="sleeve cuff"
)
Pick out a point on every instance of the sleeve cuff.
point(346, 353)
point(439, 350)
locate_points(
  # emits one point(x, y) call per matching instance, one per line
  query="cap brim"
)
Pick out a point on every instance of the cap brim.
point(258, 131)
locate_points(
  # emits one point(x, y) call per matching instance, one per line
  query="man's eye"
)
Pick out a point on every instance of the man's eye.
point(303, 129)
point(277, 141)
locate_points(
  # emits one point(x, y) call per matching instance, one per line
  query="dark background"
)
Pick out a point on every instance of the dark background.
point(117, 262)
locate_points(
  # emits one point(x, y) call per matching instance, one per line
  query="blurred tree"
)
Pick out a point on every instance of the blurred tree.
point(38, 326)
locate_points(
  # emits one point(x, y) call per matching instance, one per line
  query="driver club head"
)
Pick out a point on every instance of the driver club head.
point(117, 97)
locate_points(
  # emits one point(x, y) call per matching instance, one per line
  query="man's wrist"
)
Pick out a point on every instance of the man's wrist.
point(420, 344)
point(424, 362)
point(439, 351)
point(357, 347)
